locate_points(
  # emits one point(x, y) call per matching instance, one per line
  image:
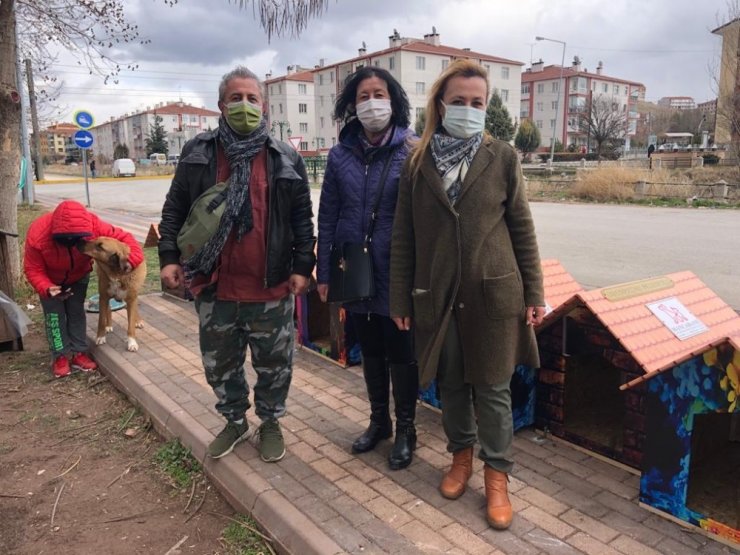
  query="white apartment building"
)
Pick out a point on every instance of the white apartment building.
point(541, 94)
point(291, 101)
point(415, 63)
point(677, 102)
point(181, 121)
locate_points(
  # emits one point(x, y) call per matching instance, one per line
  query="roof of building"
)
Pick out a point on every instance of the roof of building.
point(553, 72)
point(559, 284)
point(721, 27)
point(63, 128)
point(623, 310)
point(677, 98)
point(418, 45)
point(175, 108)
point(297, 76)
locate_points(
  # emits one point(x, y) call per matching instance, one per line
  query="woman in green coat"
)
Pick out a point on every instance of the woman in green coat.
point(466, 277)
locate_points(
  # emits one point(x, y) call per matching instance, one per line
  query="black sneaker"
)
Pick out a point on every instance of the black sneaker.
point(227, 438)
point(272, 446)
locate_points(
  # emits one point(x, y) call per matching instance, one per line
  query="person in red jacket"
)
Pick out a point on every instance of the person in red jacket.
point(59, 272)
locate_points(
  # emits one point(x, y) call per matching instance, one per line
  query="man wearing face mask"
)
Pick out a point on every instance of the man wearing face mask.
point(362, 172)
point(59, 273)
point(247, 273)
point(465, 271)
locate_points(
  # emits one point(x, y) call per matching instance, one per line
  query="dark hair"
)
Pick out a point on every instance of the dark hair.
point(344, 108)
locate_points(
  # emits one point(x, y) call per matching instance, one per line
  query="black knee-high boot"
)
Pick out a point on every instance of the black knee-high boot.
point(405, 379)
point(377, 380)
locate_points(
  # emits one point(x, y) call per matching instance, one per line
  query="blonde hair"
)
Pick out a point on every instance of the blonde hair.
point(433, 117)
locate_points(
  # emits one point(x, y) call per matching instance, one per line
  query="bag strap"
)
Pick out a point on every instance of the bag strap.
point(374, 214)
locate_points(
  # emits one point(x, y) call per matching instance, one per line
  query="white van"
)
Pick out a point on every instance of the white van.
point(157, 159)
point(124, 166)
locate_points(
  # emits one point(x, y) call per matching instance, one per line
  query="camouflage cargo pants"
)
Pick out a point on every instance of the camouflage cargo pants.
point(226, 329)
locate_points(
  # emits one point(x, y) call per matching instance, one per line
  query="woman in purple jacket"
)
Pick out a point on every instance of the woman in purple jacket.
point(375, 111)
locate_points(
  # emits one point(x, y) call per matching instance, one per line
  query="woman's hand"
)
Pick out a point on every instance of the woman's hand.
point(323, 289)
point(535, 315)
point(403, 323)
point(298, 284)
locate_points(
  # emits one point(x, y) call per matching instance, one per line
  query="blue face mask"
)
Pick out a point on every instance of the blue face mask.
point(463, 122)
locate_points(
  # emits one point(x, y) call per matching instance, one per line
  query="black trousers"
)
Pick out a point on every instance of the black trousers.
point(380, 338)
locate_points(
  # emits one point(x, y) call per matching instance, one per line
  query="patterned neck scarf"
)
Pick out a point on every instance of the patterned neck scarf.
point(240, 151)
point(453, 157)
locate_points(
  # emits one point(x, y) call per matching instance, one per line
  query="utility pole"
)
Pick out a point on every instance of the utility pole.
point(27, 179)
point(34, 121)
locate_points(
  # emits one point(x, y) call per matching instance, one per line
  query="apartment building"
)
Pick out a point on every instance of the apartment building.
point(292, 113)
point(542, 100)
point(727, 127)
point(181, 121)
point(677, 102)
point(708, 111)
point(55, 140)
point(416, 64)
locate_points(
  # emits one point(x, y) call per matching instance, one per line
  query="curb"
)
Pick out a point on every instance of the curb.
point(244, 489)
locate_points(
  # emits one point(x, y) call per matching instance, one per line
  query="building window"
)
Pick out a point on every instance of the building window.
point(321, 100)
point(303, 127)
point(605, 87)
point(555, 86)
point(392, 62)
point(272, 109)
point(321, 120)
point(445, 63)
point(539, 124)
point(420, 87)
point(540, 87)
point(524, 112)
point(540, 106)
point(280, 106)
point(552, 124)
point(421, 62)
point(302, 108)
point(554, 104)
point(321, 78)
point(272, 89)
point(419, 112)
point(304, 145)
point(333, 98)
point(302, 88)
point(525, 89)
point(333, 141)
point(504, 72)
point(280, 89)
point(323, 141)
point(504, 95)
point(616, 89)
point(331, 77)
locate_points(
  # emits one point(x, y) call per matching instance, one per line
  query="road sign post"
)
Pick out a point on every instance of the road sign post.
point(84, 140)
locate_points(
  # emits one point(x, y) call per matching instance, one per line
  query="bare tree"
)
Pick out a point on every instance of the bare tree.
point(604, 122)
point(91, 30)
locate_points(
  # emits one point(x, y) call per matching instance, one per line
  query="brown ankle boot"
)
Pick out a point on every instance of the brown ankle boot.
point(454, 482)
point(498, 511)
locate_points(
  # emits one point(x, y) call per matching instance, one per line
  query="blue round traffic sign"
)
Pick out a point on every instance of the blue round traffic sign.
point(83, 119)
point(83, 139)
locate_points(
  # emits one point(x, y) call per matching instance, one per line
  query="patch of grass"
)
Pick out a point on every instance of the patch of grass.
point(178, 463)
point(240, 540)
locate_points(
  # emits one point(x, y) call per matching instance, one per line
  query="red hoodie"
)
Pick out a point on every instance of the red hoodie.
point(47, 263)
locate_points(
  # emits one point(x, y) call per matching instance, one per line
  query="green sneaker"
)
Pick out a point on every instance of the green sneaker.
point(272, 446)
point(227, 438)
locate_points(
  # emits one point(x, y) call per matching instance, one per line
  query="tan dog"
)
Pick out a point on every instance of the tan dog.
point(116, 279)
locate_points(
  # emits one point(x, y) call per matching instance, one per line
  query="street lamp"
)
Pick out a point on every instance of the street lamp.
point(565, 96)
point(281, 124)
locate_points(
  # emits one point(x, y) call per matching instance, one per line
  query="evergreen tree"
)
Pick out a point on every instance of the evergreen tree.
point(498, 122)
point(527, 138)
point(421, 121)
point(157, 139)
point(121, 151)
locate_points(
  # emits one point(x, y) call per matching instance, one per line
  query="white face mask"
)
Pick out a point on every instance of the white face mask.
point(374, 114)
point(463, 122)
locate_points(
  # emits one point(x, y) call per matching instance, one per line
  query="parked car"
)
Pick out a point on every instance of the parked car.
point(124, 166)
point(158, 159)
point(173, 159)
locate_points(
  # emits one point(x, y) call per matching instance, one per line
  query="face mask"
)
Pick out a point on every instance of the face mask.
point(463, 122)
point(374, 114)
point(243, 117)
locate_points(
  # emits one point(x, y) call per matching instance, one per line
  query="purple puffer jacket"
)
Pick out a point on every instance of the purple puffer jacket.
point(348, 195)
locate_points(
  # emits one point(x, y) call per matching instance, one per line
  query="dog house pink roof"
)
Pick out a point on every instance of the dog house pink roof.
point(654, 347)
point(559, 284)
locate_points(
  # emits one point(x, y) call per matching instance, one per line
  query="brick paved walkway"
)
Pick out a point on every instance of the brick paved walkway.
point(321, 499)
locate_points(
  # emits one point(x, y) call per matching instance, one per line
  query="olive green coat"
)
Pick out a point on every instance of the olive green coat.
point(479, 259)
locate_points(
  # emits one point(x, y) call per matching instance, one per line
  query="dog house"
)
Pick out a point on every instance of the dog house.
point(599, 340)
point(559, 286)
point(692, 437)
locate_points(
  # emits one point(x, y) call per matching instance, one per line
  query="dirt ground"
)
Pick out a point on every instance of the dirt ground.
point(81, 472)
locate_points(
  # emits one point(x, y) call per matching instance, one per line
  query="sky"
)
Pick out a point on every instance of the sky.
point(665, 44)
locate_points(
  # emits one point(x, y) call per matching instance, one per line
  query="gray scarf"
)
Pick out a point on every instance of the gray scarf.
point(447, 153)
point(240, 151)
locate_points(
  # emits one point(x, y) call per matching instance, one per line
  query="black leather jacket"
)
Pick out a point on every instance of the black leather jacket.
point(290, 231)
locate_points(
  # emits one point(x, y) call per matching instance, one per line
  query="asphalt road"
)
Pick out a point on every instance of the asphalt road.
point(599, 244)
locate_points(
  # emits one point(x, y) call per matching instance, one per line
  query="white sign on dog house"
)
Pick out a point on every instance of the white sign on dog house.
point(677, 318)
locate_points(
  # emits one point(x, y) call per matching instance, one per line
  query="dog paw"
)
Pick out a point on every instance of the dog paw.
point(108, 329)
point(140, 325)
point(100, 340)
point(132, 345)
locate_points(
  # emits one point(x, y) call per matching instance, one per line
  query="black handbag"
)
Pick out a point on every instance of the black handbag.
point(351, 264)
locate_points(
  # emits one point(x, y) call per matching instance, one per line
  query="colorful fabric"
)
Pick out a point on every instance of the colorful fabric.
point(453, 157)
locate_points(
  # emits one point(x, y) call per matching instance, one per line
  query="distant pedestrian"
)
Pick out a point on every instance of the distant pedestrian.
point(92, 169)
point(650, 151)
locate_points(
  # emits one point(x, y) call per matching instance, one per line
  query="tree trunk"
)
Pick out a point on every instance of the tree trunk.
point(10, 120)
